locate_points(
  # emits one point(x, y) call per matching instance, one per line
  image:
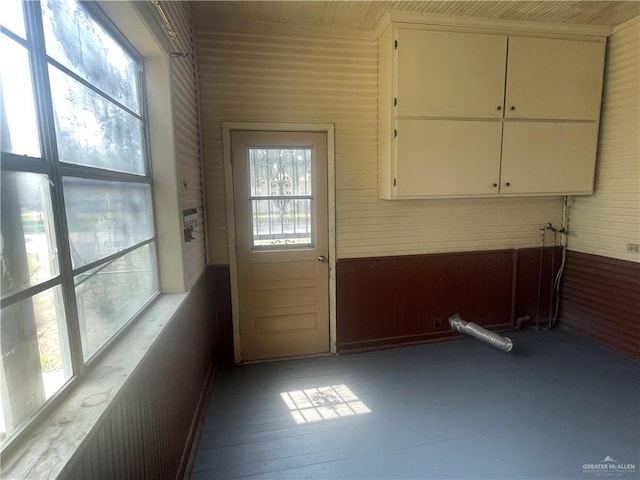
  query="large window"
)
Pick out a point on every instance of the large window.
point(78, 259)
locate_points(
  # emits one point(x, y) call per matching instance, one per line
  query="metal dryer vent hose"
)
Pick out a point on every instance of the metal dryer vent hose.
point(503, 343)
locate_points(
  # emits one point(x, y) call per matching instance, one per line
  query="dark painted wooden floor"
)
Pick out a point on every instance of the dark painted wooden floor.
point(459, 409)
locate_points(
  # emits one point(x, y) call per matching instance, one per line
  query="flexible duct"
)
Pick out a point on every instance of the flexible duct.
point(503, 343)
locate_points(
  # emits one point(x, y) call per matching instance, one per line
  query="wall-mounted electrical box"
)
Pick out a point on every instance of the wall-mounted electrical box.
point(190, 224)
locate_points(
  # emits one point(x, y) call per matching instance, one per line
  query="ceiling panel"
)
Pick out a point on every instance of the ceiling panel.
point(364, 15)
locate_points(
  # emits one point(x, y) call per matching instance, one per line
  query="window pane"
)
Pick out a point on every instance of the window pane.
point(105, 217)
point(78, 42)
point(111, 294)
point(35, 358)
point(282, 222)
point(11, 16)
point(19, 133)
point(93, 131)
point(29, 253)
point(276, 174)
point(280, 172)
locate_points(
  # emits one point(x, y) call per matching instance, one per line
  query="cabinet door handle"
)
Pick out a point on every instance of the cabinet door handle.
point(508, 184)
point(513, 107)
point(495, 185)
point(499, 107)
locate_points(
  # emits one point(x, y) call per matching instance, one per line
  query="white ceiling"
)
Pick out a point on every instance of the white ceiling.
point(364, 15)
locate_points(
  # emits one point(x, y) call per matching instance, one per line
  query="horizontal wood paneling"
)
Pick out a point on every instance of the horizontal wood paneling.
point(148, 431)
point(604, 223)
point(274, 74)
point(601, 298)
point(187, 133)
point(395, 300)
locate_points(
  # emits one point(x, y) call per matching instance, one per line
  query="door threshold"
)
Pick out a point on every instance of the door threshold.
point(294, 357)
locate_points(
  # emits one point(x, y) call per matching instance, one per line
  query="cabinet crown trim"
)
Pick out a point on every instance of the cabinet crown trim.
point(490, 25)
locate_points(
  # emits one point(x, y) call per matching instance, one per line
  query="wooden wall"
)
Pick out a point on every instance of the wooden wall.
point(601, 298)
point(398, 300)
point(294, 74)
point(148, 431)
point(604, 223)
point(601, 288)
point(186, 114)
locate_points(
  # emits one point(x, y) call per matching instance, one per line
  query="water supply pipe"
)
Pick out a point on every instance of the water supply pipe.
point(542, 229)
point(495, 340)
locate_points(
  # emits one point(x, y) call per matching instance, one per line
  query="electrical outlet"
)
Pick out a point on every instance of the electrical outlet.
point(633, 247)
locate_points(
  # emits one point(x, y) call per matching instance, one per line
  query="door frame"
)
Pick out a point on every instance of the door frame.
point(329, 130)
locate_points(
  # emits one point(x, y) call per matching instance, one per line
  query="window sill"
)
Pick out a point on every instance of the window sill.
point(49, 448)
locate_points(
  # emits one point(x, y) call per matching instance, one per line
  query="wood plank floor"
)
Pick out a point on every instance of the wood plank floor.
point(457, 409)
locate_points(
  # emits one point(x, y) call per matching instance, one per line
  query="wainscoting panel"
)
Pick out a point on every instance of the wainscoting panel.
point(601, 298)
point(149, 431)
point(384, 301)
point(223, 321)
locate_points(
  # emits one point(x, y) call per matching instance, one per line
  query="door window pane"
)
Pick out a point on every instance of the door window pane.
point(282, 222)
point(105, 217)
point(92, 131)
point(19, 129)
point(75, 40)
point(29, 253)
point(110, 295)
point(12, 17)
point(35, 357)
point(281, 196)
point(279, 172)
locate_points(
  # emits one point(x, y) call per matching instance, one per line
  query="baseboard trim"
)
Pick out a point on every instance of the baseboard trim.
point(195, 430)
point(406, 340)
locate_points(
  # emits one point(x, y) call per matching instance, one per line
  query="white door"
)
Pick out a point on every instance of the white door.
point(280, 202)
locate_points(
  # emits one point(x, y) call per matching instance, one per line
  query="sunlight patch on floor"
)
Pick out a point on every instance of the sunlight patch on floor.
point(323, 403)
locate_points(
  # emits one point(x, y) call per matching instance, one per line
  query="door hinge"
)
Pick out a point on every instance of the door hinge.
point(395, 132)
point(235, 244)
point(395, 44)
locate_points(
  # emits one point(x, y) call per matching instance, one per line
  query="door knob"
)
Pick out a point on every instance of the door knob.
point(323, 259)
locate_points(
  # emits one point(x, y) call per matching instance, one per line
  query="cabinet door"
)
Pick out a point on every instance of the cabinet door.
point(548, 157)
point(443, 74)
point(554, 79)
point(447, 158)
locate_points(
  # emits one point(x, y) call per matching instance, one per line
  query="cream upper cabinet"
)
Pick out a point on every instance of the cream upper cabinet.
point(560, 157)
point(441, 74)
point(447, 158)
point(481, 114)
point(554, 79)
